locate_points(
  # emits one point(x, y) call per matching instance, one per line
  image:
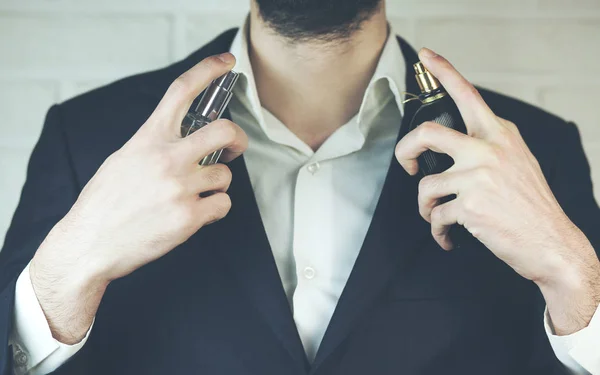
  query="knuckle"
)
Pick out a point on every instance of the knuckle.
point(427, 132)
point(437, 214)
point(504, 133)
point(174, 188)
point(185, 215)
point(184, 218)
point(224, 173)
point(426, 128)
point(211, 64)
point(201, 138)
point(218, 174)
point(182, 86)
point(510, 126)
point(223, 205)
point(485, 175)
point(212, 177)
point(212, 67)
point(227, 175)
point(423, 211)
point(227, 130)
point(158, 161)
point(470, 92)
point(437, 231)
point(494, 156)
point(399, 151)
point(220, 206)
point(472, 207)
point(163, 161)
point(427, 197)
point(425, 187)
point(508, 133)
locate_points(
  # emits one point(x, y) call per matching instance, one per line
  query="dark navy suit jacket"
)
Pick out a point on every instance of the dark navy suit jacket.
point(215, 305)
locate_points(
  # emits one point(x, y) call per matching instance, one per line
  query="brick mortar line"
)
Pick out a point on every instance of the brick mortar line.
point(112, 9)
point(488, 77)
point(420, 12)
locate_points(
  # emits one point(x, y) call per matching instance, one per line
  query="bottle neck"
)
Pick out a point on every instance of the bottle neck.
point(432, 96)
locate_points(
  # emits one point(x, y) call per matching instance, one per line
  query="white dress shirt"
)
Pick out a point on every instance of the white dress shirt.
point(316, 208)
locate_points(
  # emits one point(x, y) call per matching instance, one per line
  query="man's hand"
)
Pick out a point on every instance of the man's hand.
point(142, 202)
point(504, 200)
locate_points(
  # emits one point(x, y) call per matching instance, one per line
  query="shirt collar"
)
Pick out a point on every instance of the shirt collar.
point(390, 74)
point(245, 90)
point(387, 83)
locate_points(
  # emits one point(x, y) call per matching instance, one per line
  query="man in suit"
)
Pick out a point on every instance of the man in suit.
point(326, 253)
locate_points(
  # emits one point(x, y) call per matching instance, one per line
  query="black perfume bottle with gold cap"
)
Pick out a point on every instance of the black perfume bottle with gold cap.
point(437, 106)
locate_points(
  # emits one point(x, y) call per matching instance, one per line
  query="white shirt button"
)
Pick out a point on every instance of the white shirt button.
point(309, 272)
point(313, 168)
point(20, 357)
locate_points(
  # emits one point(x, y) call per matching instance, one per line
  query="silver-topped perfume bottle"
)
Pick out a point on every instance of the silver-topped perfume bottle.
point(210, 108)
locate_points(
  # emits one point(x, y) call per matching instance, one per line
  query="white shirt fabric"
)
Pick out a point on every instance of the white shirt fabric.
point(316, 208)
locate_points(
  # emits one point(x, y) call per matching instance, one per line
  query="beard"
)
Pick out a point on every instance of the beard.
point(316, 20)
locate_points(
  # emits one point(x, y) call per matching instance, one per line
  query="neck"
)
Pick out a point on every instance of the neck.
point(314, 87)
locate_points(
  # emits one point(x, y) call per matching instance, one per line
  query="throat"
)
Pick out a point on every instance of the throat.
point(313, 116)
point(314, 87)
point(313, 130)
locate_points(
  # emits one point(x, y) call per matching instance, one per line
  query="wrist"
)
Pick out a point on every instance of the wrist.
point(68, 291)
point(568, 256)
point(69, 302)
point(67, 253)
point(67, 280)
point(571, 287)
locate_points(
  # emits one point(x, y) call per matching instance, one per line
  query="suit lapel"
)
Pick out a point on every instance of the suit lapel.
point(242, 240)
point(251, 260)
point(394, 235)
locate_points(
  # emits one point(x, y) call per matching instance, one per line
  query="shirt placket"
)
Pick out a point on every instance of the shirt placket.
point(312, 244)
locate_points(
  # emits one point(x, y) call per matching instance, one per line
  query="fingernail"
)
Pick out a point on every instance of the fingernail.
point(427, 53)
point(226, 57)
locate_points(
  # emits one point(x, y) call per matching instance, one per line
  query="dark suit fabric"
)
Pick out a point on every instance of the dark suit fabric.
point(215, 305)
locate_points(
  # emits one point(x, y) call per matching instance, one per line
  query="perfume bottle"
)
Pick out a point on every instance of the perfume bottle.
point(437, 106)
point(211, 106)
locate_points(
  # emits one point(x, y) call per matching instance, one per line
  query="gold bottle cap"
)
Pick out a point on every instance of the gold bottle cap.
point(427, 82)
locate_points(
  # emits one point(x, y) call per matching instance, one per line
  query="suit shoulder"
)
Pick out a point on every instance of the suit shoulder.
point(97, 123)
point(528, 117)
point(546, 134)
point(106, 117)
point(146, 87)
point(114, 93)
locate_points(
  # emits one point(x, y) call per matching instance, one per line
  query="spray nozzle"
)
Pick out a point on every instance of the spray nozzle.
point(427, 82)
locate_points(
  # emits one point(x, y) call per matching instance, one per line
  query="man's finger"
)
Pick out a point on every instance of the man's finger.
point(182, 92)
point(472, 107)
point(434, 187)
point(435, 137)
point(442, 219)
point(211, 178)
point(213, 208)
point(220, 134)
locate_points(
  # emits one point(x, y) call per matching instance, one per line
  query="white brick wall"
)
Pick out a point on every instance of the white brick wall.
point(542, 51)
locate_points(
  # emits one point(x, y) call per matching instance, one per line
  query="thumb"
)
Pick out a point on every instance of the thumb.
point(472, 107)
point(176, 102)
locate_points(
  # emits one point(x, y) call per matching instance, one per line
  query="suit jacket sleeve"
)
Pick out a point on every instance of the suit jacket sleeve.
point(572, 185)
point(49, 192)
